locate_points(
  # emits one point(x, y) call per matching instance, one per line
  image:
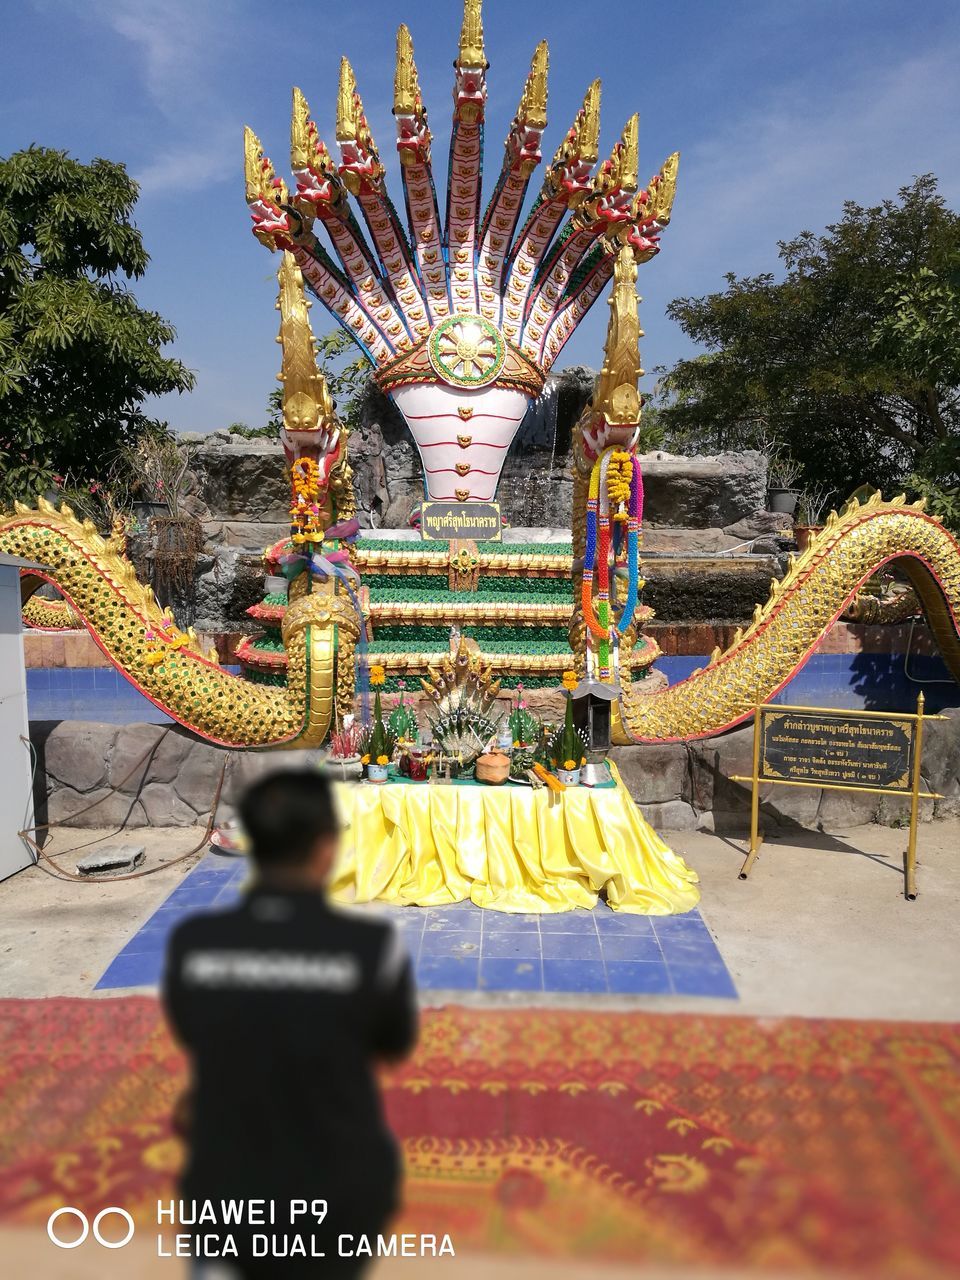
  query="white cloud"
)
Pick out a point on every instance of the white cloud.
point(177, 40)
point(180, 46)
point(187, 168)
point(790, 164)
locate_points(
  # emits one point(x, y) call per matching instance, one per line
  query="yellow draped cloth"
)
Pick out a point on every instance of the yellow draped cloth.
point(509, 848)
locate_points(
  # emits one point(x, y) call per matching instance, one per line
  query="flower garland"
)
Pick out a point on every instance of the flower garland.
point(166, 639)
point(619, 481)
point(305, 512)
point(616, 480)
point(634, 525)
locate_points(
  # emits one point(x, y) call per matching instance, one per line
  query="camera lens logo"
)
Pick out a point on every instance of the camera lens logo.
point(71, 1212)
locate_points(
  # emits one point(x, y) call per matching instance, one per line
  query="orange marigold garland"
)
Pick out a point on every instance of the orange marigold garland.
point(305, 512)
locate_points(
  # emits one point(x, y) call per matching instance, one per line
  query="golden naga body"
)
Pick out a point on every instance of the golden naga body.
point(168, 665)
point(785, 631)
point(42, 614)
point(320, 627)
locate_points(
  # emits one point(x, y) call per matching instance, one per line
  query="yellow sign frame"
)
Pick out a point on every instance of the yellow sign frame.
point(915, 719)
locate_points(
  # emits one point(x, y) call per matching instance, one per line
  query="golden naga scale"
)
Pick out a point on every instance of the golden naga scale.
point(485, 322)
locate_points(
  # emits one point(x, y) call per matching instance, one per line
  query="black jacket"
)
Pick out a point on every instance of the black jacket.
point(284, 1005)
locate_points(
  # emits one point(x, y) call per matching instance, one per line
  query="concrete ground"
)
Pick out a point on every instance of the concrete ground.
point(821, 928)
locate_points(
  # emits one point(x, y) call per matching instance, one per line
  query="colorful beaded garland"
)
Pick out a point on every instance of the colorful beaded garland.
point(596, 605)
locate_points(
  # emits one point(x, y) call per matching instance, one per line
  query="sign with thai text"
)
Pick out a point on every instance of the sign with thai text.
point(842, 749)
point(479, 521)
point(878, 752)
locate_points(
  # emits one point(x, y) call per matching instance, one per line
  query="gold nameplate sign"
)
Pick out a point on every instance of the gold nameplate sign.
point(445, 521)
point(857, 751)
point(873, 751)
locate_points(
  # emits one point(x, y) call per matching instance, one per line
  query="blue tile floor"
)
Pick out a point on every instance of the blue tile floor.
point(462, 948)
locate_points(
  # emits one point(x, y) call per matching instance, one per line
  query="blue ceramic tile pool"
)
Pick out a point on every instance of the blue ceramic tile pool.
point(845, 680)
point(89, 693)
point(463, 948)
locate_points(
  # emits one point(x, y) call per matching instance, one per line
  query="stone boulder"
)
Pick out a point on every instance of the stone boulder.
point(715, 589)
point(230, 478)
point(239, 490)
point(145, 774)
point(228, 582)
point(709, 492)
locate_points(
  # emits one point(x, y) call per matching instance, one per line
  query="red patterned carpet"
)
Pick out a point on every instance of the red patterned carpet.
point(768, 1145)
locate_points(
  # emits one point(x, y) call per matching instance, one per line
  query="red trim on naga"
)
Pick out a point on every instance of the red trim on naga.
point(474, 471)
point(452, 497)
point(472, 445)
point(428, 417)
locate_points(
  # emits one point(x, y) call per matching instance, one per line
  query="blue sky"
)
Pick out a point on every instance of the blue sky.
point(780, 109)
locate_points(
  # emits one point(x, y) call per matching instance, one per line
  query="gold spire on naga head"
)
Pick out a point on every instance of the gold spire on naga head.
point(307, 404)
point(471, 52)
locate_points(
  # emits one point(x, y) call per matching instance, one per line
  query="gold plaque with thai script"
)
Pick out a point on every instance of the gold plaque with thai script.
point(442, 521)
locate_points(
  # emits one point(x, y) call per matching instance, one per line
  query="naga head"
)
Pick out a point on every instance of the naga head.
point(470, 88)
point(571, 172)
point(462, 321)
point(413, 132)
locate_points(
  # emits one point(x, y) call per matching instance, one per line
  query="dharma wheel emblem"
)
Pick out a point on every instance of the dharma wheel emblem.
point(466, 351)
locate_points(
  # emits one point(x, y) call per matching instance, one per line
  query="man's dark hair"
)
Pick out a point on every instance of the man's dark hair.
point(285, 814)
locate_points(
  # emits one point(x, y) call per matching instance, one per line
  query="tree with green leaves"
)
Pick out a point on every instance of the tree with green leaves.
point(850, 362)
point(78, 356)
point(347, 374)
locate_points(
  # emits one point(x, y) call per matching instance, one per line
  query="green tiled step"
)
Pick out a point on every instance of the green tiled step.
point(424, 586)
point(423, 636)
point(393, 684)
point(269, 642)
point(537, 594)
point(485, 548)
point(487, 646)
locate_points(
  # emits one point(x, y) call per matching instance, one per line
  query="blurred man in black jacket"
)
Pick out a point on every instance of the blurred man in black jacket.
point(285, 1005)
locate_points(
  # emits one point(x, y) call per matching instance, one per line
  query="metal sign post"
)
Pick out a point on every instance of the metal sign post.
point(875, 752)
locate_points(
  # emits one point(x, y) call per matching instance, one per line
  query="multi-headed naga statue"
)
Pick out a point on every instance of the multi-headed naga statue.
point(462, 321)
point(462, 326)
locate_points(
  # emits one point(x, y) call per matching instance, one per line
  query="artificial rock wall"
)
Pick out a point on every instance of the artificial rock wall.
point(104, 775)
point(238, 489)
